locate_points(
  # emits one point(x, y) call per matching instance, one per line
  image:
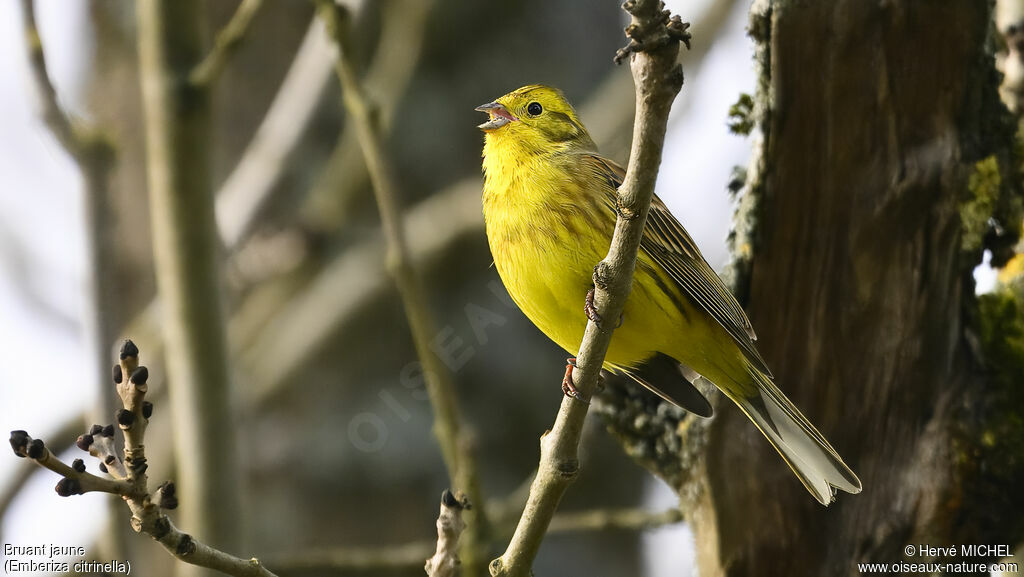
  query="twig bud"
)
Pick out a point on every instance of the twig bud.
point(125, 418)
point(140, 375)
point(36, 449)
point(452, 501)
point(128, 349)
point(96, 430)
point(103, 468)
point(78, 465)
point(165, 496)
point(186, 546)
point(108, 431)
point(118, 375)
point(67, 487)
point(447, 499)
point(19, 442)
point(84, 442)
point(147, 409)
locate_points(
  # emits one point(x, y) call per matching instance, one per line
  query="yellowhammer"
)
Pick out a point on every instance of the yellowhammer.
point(549, 205)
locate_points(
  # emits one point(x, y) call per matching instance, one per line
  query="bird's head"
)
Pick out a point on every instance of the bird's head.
point(534, 117)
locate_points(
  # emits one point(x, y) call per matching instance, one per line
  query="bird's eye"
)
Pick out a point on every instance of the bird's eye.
point(534, 109)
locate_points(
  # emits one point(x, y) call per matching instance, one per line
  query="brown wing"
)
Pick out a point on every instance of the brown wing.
point(671, 247)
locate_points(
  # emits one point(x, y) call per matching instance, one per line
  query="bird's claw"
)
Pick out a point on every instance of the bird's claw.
point(590, 309)
point(568, 387)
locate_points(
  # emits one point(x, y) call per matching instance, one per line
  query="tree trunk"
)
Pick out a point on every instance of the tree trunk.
point(884, 155)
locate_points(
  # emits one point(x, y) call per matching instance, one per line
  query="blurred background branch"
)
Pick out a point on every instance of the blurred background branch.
point(93, 153)
point(187, 258)
point(226, 43)
point(448, 426)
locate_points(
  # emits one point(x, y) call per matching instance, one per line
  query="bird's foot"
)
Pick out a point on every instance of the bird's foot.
point(590, 309)
point(568, 387)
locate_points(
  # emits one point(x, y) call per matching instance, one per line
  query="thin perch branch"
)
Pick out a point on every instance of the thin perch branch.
point(653, 50)
point(227, 42)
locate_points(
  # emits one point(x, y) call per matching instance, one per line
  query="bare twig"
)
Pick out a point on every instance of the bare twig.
point(130, 481)
point(445, 562)
point(227, 42)
point(653, 50)
point(76, 481)
point(186, 255)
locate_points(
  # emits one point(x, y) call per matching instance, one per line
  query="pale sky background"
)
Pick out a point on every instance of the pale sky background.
point(41, 261)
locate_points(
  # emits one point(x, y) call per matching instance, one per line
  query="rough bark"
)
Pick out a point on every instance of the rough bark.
point(871, 206)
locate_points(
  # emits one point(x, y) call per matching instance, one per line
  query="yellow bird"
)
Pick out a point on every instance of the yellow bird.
point(549, 206)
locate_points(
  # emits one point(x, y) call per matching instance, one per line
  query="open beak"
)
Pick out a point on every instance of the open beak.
point(500, 116)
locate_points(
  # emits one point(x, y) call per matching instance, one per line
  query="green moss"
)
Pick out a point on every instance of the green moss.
point(990, 447)
point(741, 115)
point(983, 187)
point(1001, 333)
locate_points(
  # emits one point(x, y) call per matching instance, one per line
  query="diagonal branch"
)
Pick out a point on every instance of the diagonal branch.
point(227, 42)
point(268, 157)
point(455, 445)
point(653, 51)
point(53, 115)
point(330, 201)
point(399, 263)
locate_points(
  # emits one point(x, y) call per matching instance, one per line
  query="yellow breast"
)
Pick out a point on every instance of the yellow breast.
point(546, 231)
point(538, 249)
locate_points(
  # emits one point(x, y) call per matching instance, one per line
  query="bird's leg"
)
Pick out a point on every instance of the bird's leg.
point(568, 387)
point(590, 309)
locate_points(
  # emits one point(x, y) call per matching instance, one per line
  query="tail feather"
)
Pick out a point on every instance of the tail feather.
point(804, 449)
